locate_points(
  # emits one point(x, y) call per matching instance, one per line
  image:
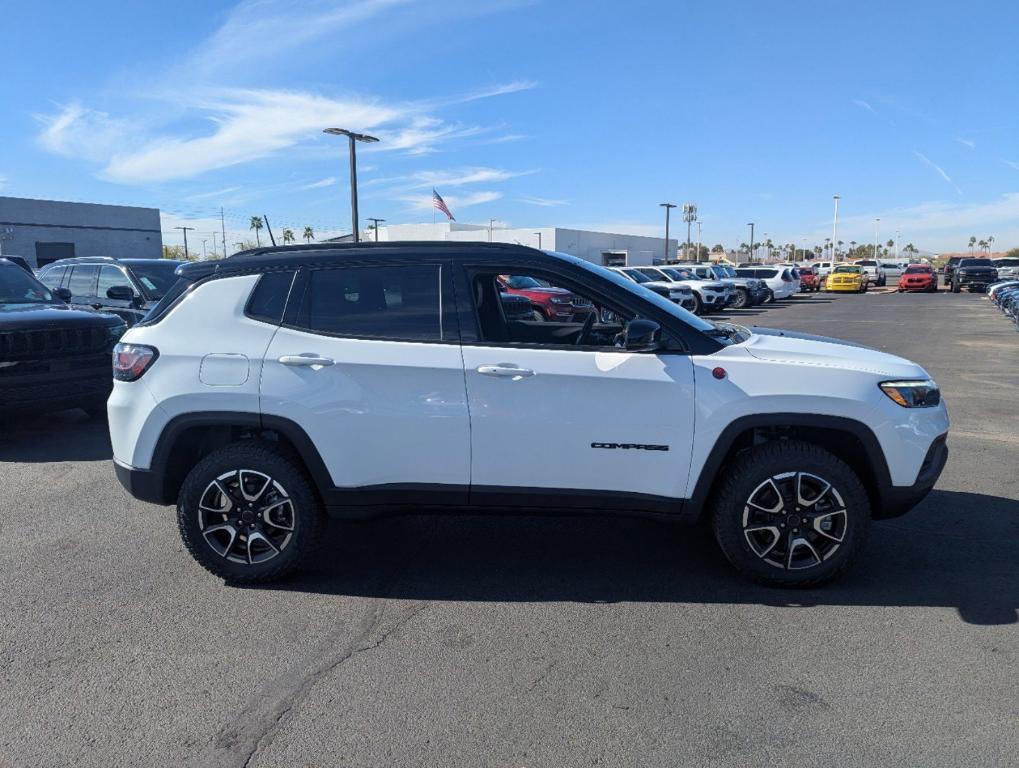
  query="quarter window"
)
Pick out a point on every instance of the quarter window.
point(399, 303)
point(51, 277)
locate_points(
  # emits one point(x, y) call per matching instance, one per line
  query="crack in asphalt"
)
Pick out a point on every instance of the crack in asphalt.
point(257, 724)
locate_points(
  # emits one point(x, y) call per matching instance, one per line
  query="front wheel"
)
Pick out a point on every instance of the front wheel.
point(790, 514)
point(741, 300)
point(698, 305)
point(248, 514)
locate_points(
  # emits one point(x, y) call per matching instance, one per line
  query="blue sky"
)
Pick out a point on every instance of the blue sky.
point(535, 113)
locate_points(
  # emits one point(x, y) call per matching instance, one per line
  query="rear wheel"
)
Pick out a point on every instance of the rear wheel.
point(790, 514)
point(742, 299)
point(248, 514)
point(698, 305)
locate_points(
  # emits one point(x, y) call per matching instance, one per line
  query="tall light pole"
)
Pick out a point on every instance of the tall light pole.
point(896, 245)
point(689, 216)
point(204, 255)
point(539, 240)
point(668, 207)
point(835, 230)
point(767, 248)
point(375, 226)
point(751, 225)
point(353, 138)
point(491, 225)
point(877, 227)
point(698, 241)
point(185, 230)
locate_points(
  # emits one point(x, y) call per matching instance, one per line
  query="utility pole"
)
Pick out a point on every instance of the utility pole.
point(751, 255)
point(491, 225)
point(185, 230)
point(689, 216)
point(222, 224)
point(835, 228)
point(204, 255)
point(698, 241)
point(877, 227)
point(668, 207)
point(896, 245)
point(539, 240)
point(375, 226)
point(353, 138)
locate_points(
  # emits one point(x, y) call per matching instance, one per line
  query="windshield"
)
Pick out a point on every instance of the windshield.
point(676, 274)
point(917, 270)
point(975, 263)
point(866, 263)
point(157, 277)
point(1006, 262)
point(850, 270)
point(522, 282)
point(637, 275)
point(18, 287)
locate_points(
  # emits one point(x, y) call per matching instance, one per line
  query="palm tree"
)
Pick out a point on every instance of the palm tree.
point(972, 242)
point(982, 245)
point(288, 236)
point(309, 234)
point(256, 224)
point(990, 239)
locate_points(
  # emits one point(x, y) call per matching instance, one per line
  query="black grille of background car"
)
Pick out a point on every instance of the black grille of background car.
point(579, 302)
point(15, 345)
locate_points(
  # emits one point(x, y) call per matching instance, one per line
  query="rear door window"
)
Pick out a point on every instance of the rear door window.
point(51, 277)
point(110, 277)
point(391, 303)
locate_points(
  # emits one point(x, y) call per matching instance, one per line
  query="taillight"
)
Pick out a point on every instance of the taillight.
point(130, 361)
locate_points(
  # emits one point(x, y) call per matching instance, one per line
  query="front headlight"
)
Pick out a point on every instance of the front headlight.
point(560, 300)
point(912, 394)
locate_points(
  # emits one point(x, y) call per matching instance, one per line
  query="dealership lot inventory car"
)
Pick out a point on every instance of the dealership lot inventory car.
point(51, 357)
point(975, 274)
point(681, 294)
point(1007, 268)
point(847, 278)
point(918, 277)
point(709, 295)
point(128, 288)
point(874, 269)
point(386, 377)
point(778, 280)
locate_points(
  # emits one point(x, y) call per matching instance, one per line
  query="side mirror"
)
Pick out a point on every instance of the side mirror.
point(64, 294)
point(120, 293)
point(642, 335)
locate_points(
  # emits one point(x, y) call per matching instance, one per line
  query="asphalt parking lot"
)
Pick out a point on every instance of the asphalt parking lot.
point(520, 641)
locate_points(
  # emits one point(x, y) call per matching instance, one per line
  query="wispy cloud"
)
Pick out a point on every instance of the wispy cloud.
point(216, 193)
point(966, 142)
point(941, 172)
point(327, 182)
point(1011, 164)
point(864, 105)
point(544, 202)
point(506, 139)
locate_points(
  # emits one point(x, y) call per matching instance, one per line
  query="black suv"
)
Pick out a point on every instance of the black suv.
point(973, 273)
point(126, 287)
point(51, 356)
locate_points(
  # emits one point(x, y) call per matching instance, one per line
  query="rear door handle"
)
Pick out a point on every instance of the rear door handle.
point(306, 359)
point(505, 371)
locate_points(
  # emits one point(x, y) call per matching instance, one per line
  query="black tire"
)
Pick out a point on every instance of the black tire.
point(306, 515)
point(742, 299)
point(901, 290)
point(746, 479)
point(770, 298)
point(698, 305)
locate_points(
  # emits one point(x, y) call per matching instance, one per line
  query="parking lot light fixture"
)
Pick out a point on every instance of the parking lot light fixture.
point(353, 139)
point(668, 207)
point(835, 226)
point(751, 255)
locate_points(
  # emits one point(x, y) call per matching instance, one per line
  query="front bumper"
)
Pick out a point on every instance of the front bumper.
point(844, 287)
point(896, 500)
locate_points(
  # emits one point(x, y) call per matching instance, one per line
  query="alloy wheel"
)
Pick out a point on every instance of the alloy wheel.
point(794, 520)
point(246, 517)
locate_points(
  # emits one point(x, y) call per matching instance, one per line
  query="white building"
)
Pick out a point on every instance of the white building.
point(602, 248)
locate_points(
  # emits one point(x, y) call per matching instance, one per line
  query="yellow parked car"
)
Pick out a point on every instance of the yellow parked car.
point(847, 277)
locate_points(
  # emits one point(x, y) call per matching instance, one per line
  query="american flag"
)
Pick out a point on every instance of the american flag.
point(440, 204)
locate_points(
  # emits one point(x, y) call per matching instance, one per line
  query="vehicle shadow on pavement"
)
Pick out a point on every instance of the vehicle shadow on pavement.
point(45, 437)
point(959, 550)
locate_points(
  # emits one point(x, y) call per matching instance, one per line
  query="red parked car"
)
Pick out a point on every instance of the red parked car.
point(810, 280)
point(548, 302)
point(919, 277)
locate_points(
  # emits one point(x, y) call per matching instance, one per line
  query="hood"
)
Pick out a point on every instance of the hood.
point(51, 317)
point(550, 290)
point(807, 349)
point(667, 285)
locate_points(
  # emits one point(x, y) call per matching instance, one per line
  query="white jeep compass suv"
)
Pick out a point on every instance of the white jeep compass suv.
point(277, 385)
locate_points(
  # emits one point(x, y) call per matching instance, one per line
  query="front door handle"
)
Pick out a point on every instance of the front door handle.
point(505, 371)
point(97, 305)
point(306, 359)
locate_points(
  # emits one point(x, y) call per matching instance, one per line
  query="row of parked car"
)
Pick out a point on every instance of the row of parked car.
point(1005, 294)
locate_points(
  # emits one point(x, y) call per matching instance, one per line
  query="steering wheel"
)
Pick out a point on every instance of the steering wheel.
point(585, 332)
